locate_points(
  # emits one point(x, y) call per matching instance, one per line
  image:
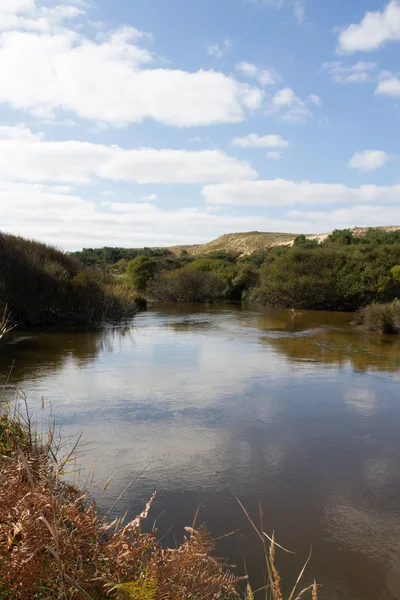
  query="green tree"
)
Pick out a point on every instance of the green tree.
point(140, 272)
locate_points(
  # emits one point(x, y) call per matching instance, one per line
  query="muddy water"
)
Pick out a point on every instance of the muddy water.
point(300, 412)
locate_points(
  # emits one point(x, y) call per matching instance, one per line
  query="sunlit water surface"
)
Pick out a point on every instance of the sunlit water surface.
point(299, 412)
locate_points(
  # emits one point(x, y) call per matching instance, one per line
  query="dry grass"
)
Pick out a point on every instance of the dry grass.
point(382, 318)
point(54, 545)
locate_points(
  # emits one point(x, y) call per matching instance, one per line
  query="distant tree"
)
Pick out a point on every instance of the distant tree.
point(140, 272)
point(302, 242)
point(344, 237)
point(188, 285)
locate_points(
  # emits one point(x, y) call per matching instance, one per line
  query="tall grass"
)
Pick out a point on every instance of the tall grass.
point(382, 318)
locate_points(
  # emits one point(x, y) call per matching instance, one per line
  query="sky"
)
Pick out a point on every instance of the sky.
point(159, 122)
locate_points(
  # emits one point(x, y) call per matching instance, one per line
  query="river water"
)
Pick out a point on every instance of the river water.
point(299, 412)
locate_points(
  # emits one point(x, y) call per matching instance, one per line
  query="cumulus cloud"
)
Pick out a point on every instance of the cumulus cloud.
point(113, 79)
point(283, 192)
point(369, 160)
point(297, 6)
point(220, 50)
point(360, 72)
point(299, 10)
point(25, 156)
point(261, 74)
point(374, 30)
point(57, 216)
point(389, 87)
point(253, 140)
point(71, 222)
point(290, 107)
point(275, 154)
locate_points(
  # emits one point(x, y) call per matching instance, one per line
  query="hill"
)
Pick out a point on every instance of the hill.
point(254, 241)
point(243, 243)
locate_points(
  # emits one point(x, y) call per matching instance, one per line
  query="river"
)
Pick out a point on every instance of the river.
point(299, 412)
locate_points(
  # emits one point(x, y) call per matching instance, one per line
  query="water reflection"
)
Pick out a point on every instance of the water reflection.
point(298, 411)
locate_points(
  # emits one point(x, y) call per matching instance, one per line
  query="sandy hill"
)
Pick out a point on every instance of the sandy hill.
point(255, 241)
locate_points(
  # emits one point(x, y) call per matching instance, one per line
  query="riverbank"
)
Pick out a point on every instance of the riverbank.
point(343, 272)
point(53, 543)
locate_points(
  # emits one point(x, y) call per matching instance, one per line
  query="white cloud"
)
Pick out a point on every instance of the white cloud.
point(27, 157)
point(16, 6)
point(264, 141)
point(275, 154)
point(374, 30)
point(220, 50)
point(369, 160)
point(357, 73)
point(72, 222)
point(290, 107)
point(19, 133)
point(389, 87)
point(314, 99)
point(283, 192)
point(261, 74)
point(58, 71)
point(361, 215)
point(151, 197)
point(298, 6)
point(299, 10)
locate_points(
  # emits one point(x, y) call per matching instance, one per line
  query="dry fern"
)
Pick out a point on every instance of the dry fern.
point(54, 545)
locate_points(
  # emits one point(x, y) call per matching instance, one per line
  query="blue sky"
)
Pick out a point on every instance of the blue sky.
point(158, 122)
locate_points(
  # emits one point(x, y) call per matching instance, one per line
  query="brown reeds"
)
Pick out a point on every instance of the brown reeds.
point(54, 545)
point(273, 589)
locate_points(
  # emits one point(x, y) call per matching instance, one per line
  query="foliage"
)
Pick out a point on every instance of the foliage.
point(100, 257)
point(188, 285)
point(302, 242)
point(328, 277)
point(382, 318)
point(140, 272)
point(42, 285)
point(370, 236)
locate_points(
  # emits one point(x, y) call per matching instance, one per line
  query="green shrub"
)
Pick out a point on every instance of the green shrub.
point(188, 285)
point(328, 277)
point(140, 272)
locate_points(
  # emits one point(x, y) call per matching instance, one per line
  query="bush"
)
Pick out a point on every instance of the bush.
point(41, 285)
point(382, 318)
point(188, 285)
point(140, 272)
point(328, 277)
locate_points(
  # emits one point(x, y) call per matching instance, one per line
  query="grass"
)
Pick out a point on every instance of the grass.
point(381, 318)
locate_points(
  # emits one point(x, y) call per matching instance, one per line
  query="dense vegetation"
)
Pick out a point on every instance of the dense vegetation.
point(41, 285)
point(345, 272)
point(100, 257)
